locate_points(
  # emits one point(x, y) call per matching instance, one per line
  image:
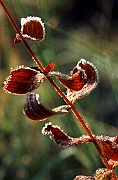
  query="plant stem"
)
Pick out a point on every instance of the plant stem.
point(17, 30)
point(81, 121)
point(75, 112)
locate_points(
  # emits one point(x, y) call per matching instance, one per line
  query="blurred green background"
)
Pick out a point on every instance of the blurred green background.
point(74, 29)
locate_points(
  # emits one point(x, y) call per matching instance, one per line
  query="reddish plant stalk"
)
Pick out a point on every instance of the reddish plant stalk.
point(18, 31)
point(75, 112)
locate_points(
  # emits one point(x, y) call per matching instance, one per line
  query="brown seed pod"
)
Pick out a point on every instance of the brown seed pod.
point(35, 110)
point(22, 80)
point(32, 28)
point(84, 80)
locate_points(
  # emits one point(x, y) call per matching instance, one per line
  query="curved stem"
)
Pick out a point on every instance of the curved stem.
point(75, 112)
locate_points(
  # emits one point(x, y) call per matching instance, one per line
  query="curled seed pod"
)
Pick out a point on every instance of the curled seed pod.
point(113, 163)
point(60, 137)
point(109, 146)
point(22, 80)
point(84, 79)
point(35, 110)
point(32, 29)
point(103, 174)
point(81, 177)
point(57, 135)
point(75, 82)
point(90, 81)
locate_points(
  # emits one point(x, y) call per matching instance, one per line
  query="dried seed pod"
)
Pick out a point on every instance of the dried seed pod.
point(75, 82)
point(22, 80)
point(35, 110)
point(32, 29)
point(57, 135)
point(103, 174)
point(90, 81)
point(60, 137)
point(84, 79)
point(80, 177)
point(113, 163)
point(109, 146)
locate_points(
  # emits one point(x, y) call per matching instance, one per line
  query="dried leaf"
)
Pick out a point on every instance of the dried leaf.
point(60, 137)
point(75, 82)
point(32, 29)
point(113, 163)
point(22, 80)
point(49, 67)
point(90, 82)
point(109, 146)
point(84, 79)
point(84, 178)
point(103, 174)
point(56, 134)
point(35, 110)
